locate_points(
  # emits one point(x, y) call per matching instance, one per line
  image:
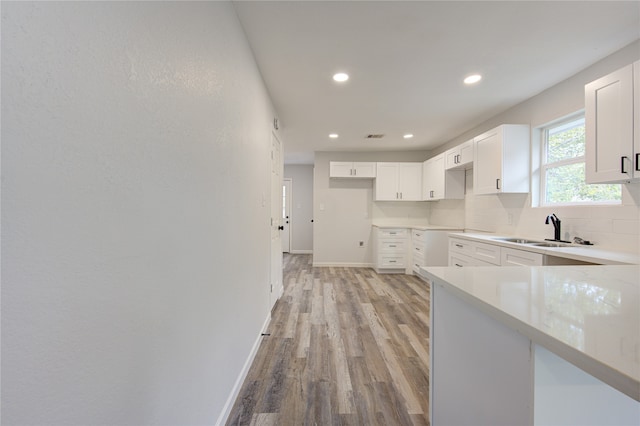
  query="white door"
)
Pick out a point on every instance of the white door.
point(287, 187)
point(275, 289)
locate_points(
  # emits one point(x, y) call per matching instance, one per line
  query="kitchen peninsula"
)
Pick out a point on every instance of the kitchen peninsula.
point(535, 345)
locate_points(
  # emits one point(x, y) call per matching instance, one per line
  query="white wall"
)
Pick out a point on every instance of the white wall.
point(343, 209)
point(135, 146)
point(301, 207)
point(608, 226)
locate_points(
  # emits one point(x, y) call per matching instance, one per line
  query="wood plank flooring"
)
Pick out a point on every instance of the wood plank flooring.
point(346, 347)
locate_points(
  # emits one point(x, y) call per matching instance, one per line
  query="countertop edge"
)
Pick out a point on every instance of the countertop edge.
point(613, 258)
point(606, 373)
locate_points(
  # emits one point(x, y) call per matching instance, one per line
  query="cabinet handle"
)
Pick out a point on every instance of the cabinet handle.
point(498, 183)
point(392, 261)
point(391, 245)
point(459, 245)
point(431, 194)
point(622, 163)
point(458, 265)
point(417, 248)
point(638, 162)
point(458, 159)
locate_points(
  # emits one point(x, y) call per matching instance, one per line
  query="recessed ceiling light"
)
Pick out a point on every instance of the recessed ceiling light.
point(408, 136)
point(473, 79)
point(340, 77)
point(333, 136)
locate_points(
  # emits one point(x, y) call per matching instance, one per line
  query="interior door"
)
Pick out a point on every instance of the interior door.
point(287, 187)
point(276, 288)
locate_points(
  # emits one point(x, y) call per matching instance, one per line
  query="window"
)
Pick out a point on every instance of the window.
point(562, 168)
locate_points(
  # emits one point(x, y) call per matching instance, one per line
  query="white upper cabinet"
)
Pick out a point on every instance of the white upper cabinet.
point(612, 127)
point(501, 160)
point(438, 183)
point(460, 157)
point(398, 182)
point(348, 169)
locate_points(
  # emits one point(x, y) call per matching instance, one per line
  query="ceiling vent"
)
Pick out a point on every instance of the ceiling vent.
point(375, 136)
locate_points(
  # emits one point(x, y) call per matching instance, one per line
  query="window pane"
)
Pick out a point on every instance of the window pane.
point(565, 184)
point(566, 141)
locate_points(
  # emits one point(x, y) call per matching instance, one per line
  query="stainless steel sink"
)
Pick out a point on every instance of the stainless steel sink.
point(516, 240)
point(549, 244)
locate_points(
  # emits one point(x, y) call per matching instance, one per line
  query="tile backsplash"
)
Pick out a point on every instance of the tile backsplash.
point(613, 227)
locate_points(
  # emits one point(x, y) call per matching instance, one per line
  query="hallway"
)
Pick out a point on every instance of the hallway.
point(346, 346)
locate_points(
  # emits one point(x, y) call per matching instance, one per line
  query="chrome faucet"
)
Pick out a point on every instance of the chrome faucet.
point(556, 226)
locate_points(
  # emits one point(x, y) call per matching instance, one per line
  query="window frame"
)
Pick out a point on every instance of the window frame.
point(545, 166)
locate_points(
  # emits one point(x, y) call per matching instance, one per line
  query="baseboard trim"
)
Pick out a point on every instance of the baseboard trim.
point(342, 265)
point(224, 415)
point(301, 251)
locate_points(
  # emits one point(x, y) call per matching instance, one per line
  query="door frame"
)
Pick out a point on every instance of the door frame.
point(288, 202)
point(276, 287)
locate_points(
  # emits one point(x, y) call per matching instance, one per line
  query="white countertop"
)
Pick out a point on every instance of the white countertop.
point(588, 315)
point(421, 227)
point(592, 254)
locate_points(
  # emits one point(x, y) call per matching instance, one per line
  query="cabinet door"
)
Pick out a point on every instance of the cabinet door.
point(438, 177)
point(466, 153)
point(451, 158)
point(513, 257)
point(427, 180)
point(387, 182)
point(340, 169)
point(487, 163)
point(460, 260)
point(410, 181)
point(609, 127)
point(364, 170)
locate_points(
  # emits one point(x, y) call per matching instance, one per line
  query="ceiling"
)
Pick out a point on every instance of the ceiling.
point(407, 60)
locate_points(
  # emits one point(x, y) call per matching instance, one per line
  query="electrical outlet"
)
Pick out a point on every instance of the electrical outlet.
point(510, 219)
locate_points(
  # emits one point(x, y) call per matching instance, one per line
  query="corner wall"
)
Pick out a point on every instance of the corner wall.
point(135, 241)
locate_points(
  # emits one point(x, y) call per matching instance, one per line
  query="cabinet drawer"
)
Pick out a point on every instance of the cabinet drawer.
point(460, 246)
point(460, 260)
point(417, 263)
point(512, 257)
point(392, 246)
point(392, 233)
point(487, 253)
point(418, 235)
point(391, 262)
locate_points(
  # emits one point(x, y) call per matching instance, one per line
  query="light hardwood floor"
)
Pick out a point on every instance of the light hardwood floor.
point(346, 347)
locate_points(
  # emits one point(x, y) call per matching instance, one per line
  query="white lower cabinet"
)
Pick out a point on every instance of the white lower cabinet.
point(512, 257)
point(391, 249)
point(429, 248)
point(471, 253)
